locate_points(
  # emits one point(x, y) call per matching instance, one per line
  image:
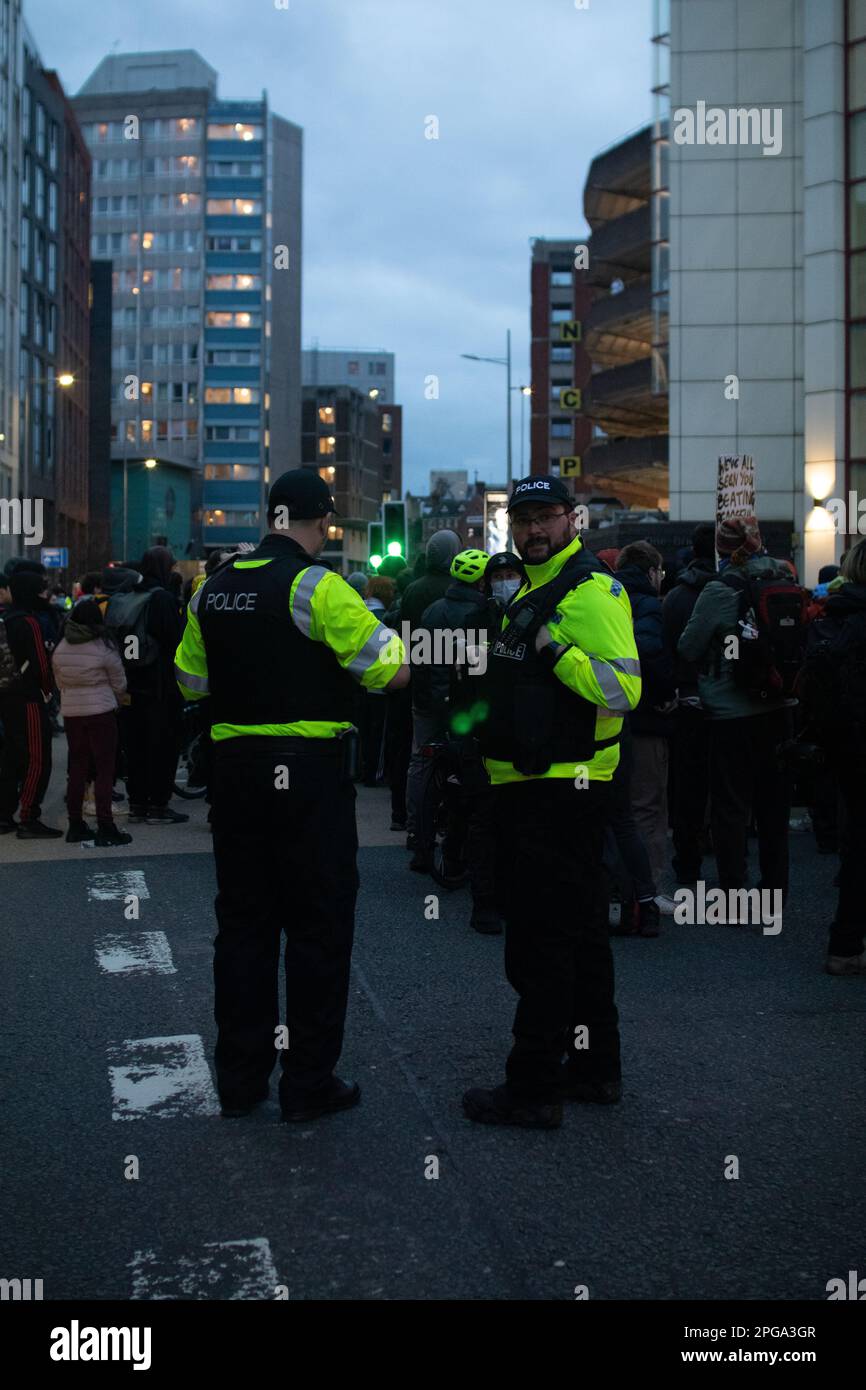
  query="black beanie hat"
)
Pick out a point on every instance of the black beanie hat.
point(25, 587)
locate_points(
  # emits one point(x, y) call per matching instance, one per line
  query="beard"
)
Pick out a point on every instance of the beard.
point(537, 551)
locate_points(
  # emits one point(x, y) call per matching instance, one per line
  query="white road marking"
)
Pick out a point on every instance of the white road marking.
point(221, 1269)
point(163, 1078)
point(102, 887)
point(146, 954)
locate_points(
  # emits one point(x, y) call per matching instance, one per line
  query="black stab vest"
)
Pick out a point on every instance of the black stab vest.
point(261, 668)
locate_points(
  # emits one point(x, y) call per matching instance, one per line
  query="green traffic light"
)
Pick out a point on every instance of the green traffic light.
point(395, 548)
point(375, 561)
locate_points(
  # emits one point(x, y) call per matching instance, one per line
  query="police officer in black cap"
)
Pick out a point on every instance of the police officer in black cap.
point(278, 641)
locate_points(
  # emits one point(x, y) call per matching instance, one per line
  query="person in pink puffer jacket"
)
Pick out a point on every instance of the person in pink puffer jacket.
point(91, 680)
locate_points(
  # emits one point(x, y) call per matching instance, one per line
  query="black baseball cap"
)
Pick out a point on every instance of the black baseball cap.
point(540, 489)
point(303, 493)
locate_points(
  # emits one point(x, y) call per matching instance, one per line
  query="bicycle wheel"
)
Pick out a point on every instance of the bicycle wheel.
point(186, 767)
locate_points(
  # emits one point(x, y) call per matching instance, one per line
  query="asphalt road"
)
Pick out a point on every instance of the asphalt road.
point(736, 1045)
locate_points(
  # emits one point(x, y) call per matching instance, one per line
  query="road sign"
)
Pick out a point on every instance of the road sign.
point(570, 398)
point(55, 557)
point(570, 467)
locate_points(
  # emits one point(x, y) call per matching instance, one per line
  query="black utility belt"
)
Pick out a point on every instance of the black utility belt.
point(289, 747)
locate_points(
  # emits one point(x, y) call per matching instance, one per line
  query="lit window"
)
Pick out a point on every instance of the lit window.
point(147, 388)
point(327, 445)
point(386, 424)
point(328, 474)
point(217, 395)
point(335, 533)
point(326, 414)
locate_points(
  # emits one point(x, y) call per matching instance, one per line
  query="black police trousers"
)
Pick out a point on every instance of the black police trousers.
point(551, 891)
point(286, 863)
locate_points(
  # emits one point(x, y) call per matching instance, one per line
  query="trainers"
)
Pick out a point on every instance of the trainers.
point(109, 837)
point(648, 917)
point(137, 815)
point(35, 830)
point(335, 1095)
point(486, 920)
point(846, 965)
point(666, 906)
point(496, 1107)
point(79, 830)
point(164, 815)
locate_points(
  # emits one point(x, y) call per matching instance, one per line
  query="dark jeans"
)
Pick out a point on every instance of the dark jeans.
point(398, 746)
point(623, 840)
point(92, 743)
point(150, 729)
point(371, 728)
point(25, 766)
point(557, 950)
point(691, 788)
point(745, 778)
point(285, 862)
point(848, 929)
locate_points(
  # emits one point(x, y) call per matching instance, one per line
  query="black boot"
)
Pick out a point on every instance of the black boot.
point(79, 830)
point(497, 1107)
point(109, 837)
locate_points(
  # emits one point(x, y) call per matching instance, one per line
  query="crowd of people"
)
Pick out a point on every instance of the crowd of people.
point(714, 754)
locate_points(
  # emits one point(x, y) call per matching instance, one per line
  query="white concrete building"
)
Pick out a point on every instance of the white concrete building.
point(767, 279)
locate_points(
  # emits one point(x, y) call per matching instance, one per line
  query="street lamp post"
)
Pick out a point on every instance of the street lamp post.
point(64, 379)
point(524, 392)
point(148, 463)
point(506, 363)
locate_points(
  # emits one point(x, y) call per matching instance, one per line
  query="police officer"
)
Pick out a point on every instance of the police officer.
point(562, 672)
point(277, 641)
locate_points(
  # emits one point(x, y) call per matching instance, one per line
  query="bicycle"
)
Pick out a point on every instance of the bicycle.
point(191, 773)
point(442, 813)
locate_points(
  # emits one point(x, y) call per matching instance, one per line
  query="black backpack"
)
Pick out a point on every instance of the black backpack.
point(771, 633)
point(126, 620)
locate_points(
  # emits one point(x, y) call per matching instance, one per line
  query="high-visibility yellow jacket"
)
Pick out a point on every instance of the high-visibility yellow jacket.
point(325, 609)
point(602, 663)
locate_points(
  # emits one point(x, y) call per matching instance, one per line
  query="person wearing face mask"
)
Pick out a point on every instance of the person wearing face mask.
point(277, 640)
point(504, 576)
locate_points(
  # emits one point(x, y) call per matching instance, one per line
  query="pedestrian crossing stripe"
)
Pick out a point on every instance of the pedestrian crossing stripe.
point(148, 953)
point(102, 887)
point(160, 1078)
point(220, 1269)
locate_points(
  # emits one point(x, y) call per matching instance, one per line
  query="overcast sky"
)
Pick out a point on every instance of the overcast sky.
point(418, 246)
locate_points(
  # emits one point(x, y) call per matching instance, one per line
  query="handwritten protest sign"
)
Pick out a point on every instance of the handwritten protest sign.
point(735, 492)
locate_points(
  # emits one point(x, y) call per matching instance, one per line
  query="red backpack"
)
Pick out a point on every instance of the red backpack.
point(771, 628)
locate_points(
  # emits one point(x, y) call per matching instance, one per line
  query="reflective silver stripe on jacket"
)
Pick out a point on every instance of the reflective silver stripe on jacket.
point(614, 696)
point(197, 683)
point(196, 600)
point(371, 650)
point(626, 665)
point(302, 612)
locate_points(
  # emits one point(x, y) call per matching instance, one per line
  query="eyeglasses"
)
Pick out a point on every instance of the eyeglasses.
point(545, 519)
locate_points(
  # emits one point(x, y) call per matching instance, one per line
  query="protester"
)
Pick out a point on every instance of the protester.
point(745, 730)
point(691, 745)
point(89, 675)
point(25, 765)
point(441, 549)
point(640, 569)
point(151, 722)
point(833, 688)
point(378, 596)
